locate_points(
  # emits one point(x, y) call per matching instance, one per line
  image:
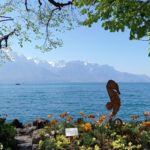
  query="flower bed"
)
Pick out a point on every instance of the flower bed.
point(95, 133)
point(89, 132)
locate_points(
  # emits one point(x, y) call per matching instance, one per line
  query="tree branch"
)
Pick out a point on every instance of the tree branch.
point(47, 24)
point(40, 3)
point(6, 20)
point(60, 5)
point(5, 17)
point(26, 5)
point(5, 38)
point(53, 2)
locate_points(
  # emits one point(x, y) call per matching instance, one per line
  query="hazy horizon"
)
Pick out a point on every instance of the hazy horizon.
point(95, 45)
point(29, 70)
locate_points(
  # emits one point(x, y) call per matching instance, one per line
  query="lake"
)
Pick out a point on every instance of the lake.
point(27, 102)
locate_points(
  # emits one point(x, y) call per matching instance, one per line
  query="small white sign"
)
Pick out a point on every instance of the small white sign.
point(71, 132)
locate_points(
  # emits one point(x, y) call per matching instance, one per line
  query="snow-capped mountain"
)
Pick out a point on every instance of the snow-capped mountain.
point(28, 70)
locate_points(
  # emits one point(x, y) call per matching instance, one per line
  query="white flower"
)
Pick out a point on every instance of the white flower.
point(1, 146)
point(47, 135)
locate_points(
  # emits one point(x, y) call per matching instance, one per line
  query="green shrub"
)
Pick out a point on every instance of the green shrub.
point(7, 134)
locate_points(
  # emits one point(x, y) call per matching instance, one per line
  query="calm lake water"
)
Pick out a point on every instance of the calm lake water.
point(27, 102)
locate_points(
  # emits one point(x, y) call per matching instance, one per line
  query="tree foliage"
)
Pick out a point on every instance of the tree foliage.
point(117, 15)
point(34, 20)
point(41, 20)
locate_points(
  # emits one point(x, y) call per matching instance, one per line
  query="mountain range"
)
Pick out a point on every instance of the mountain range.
point(28, 70)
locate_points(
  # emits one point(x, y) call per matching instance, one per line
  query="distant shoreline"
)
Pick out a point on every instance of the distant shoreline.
point(72, 83)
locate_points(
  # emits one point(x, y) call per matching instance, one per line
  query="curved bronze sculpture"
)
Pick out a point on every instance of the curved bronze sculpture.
point(113, 92)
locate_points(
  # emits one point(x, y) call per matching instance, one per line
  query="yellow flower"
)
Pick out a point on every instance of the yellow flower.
point(78, 142)
point(96, 147)
point(82, 147)
point(49, 116)
point(94, 139)
point(89, 148)
point(139, 146)
point(82, 113)
point(146, 124)
point(146, 113)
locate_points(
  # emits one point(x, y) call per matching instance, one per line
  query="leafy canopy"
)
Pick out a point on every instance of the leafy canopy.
point(42, 20)
point(117, 15)
point(26, 20)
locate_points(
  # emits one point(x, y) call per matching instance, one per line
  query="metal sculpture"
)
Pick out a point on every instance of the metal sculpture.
point(113, 92)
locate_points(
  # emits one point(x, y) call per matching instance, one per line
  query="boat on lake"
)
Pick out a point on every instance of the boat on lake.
point(18, 84)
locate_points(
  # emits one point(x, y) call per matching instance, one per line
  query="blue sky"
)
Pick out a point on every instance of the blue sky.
point(97, 46)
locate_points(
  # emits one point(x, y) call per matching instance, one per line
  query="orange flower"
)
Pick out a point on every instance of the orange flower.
point(69, 118)
point(146, 113)
point(91, 116)
point(101, 119)
point(82, 113)
point(134, 117)
point(82, 126)
point(86, 127)
point(146, 124)
point(49, 116)
point(54, 122)
point(63, 115)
